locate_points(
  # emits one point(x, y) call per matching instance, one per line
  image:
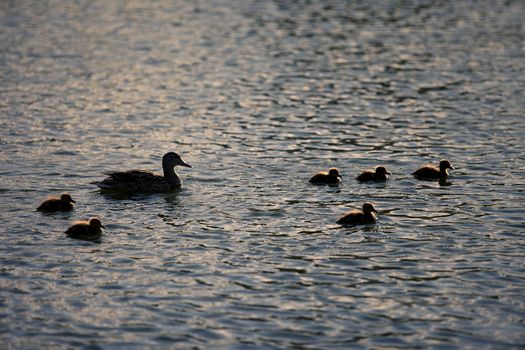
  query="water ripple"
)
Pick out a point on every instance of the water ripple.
point(258, 97)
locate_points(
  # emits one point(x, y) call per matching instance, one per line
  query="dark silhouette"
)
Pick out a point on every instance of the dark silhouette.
point(359, 217)
point(432, 173)
point(379, 175)
point(331, 177)
point(146, 181)
point(62, 203)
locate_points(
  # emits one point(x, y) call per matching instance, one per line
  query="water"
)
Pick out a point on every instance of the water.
point(258, 96)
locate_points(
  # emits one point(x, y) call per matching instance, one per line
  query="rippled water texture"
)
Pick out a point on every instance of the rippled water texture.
point(258, 96)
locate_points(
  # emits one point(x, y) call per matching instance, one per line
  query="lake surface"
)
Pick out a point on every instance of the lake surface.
point(258, 96)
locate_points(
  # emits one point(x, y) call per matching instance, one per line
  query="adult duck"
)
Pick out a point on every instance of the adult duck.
point(146, 181)
point(359, 217)
point(430, 172)
point(62, 203)
point(332, 177)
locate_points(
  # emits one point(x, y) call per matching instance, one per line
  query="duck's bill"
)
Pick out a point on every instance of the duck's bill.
point(183, 163)
point(102, 226)
point(388, 173)
point(72, 201)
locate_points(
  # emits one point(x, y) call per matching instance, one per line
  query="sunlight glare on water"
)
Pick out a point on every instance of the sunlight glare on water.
point(258, 96)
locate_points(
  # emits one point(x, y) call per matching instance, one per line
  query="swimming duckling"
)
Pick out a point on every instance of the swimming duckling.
point(62, 203)
point(359, 217)
point(380, 174)
point(87, 230)
point(432, 173)
point(146, 181)
point(331, 177)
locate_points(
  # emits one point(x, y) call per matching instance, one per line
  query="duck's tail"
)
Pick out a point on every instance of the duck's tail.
point(101, 184)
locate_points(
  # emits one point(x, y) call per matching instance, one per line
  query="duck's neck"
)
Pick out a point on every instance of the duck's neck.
point(169, 171)
point(443, 172)
point(370, 214)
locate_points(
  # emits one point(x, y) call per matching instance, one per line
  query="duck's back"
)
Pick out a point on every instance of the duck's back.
point(138, 181)
point(356, 218)
point(366, 176)
point(324, 178)
point(78, 230)
point(318, 178)
point(55, 204)
point(52, 204)
point(427, 172)
point(83, 230)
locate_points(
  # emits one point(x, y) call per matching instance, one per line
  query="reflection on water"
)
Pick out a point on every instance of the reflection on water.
point(258, 96)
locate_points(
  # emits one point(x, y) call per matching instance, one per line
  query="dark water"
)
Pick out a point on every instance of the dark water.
point(258, 96)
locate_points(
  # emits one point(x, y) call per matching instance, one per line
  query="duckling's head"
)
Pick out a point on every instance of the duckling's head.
point(381, 170)
point(96, 223)
point(172, 159)
point(445, 164)
point(334, 172)
point(65, 197)
point(368, 208)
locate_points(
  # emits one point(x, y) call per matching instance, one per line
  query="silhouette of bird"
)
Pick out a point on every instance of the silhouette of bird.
point(331, 177)
point(430, 172)
point(380, 174)
point(62, 203)
point(86, 230)
point(359, 217)
point(146, 181)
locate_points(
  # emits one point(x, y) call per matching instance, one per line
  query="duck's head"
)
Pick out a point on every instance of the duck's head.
point(96, 223)
point(368, 208)
point(172, 159)
point(65, 197)
point(445, 164)
point(334, 172)
point(381, 170)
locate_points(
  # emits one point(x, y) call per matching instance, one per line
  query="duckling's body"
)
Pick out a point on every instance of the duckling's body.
point(86, 230)
point(380, 174)
point(331, 177)
point(62, 203)
point(359, 217)
point(146, 181)
point(432, 173)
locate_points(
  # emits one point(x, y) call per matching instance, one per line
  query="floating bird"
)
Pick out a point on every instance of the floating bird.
point(331, 177)
point(432, 173)
point(380, 174)
point(62, 203)
point(359, 217)
point(146, 181)
point(87, 230)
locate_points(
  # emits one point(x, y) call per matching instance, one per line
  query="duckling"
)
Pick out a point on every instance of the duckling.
point(380, 174)
point(331, 177)
point(87, 230)
point(62, 203)
point(359, 217)
point(432, 173)
point(146, 181)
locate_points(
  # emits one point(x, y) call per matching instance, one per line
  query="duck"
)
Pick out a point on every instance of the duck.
point(331, 177)
point(86, 230)
point(145, 181)
point(380, 174)
point(430, 172)
point(359, 217)
point(62, 203)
